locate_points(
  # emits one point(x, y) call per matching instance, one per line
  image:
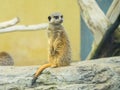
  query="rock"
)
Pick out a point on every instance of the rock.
point(6, 59)
point(100, 74)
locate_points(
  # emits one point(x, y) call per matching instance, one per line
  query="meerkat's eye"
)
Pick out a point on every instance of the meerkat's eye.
point(49, 18)
point(62, 16)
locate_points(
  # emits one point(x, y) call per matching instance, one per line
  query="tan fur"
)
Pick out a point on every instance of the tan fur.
point(6, 59)
point(59, 46)
point(59, 53)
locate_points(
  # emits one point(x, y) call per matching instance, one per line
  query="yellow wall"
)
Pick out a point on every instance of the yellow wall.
point(30, 47)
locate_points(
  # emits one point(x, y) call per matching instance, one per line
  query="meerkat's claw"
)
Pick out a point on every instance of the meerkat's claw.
point(34, 80)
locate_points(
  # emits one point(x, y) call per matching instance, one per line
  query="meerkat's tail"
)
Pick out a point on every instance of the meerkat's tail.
point(40, 69)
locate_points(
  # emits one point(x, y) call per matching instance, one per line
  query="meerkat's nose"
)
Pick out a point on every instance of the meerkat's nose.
point(56, 17)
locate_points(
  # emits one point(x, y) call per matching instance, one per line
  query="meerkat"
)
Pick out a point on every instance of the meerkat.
point(59, 51)
point(6, 59)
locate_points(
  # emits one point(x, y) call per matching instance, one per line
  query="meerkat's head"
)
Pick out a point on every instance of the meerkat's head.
point(55, 18)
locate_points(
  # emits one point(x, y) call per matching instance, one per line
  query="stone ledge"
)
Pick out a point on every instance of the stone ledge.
point(101, 74)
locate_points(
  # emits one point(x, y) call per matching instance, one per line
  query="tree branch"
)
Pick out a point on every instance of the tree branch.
point(25, 27)
point(9, 23)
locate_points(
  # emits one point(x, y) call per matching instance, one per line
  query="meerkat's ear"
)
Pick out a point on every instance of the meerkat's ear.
point(49, 18)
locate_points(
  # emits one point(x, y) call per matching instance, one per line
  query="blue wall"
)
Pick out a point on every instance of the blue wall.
point(86, 35)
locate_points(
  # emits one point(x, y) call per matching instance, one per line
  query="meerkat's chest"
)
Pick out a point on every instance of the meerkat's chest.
point(53, 35)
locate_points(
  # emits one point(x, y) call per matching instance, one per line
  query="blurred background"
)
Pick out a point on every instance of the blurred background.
point(31, 47)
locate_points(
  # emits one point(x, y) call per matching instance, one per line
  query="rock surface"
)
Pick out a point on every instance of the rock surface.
point(101, 74)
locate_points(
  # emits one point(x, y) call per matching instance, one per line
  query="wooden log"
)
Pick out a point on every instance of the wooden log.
point(113, 11)
point(99, 25)
point(110, 44)
point(112, 14)
point(96, 21)
point(107, 47)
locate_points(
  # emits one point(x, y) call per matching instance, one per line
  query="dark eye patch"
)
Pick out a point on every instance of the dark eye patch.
point(49, 18)
point(62, 16)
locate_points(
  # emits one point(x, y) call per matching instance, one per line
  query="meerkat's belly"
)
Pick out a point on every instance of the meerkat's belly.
point(59, 50)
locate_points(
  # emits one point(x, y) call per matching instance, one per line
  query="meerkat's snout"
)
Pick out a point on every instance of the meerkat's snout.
point(56, 17)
